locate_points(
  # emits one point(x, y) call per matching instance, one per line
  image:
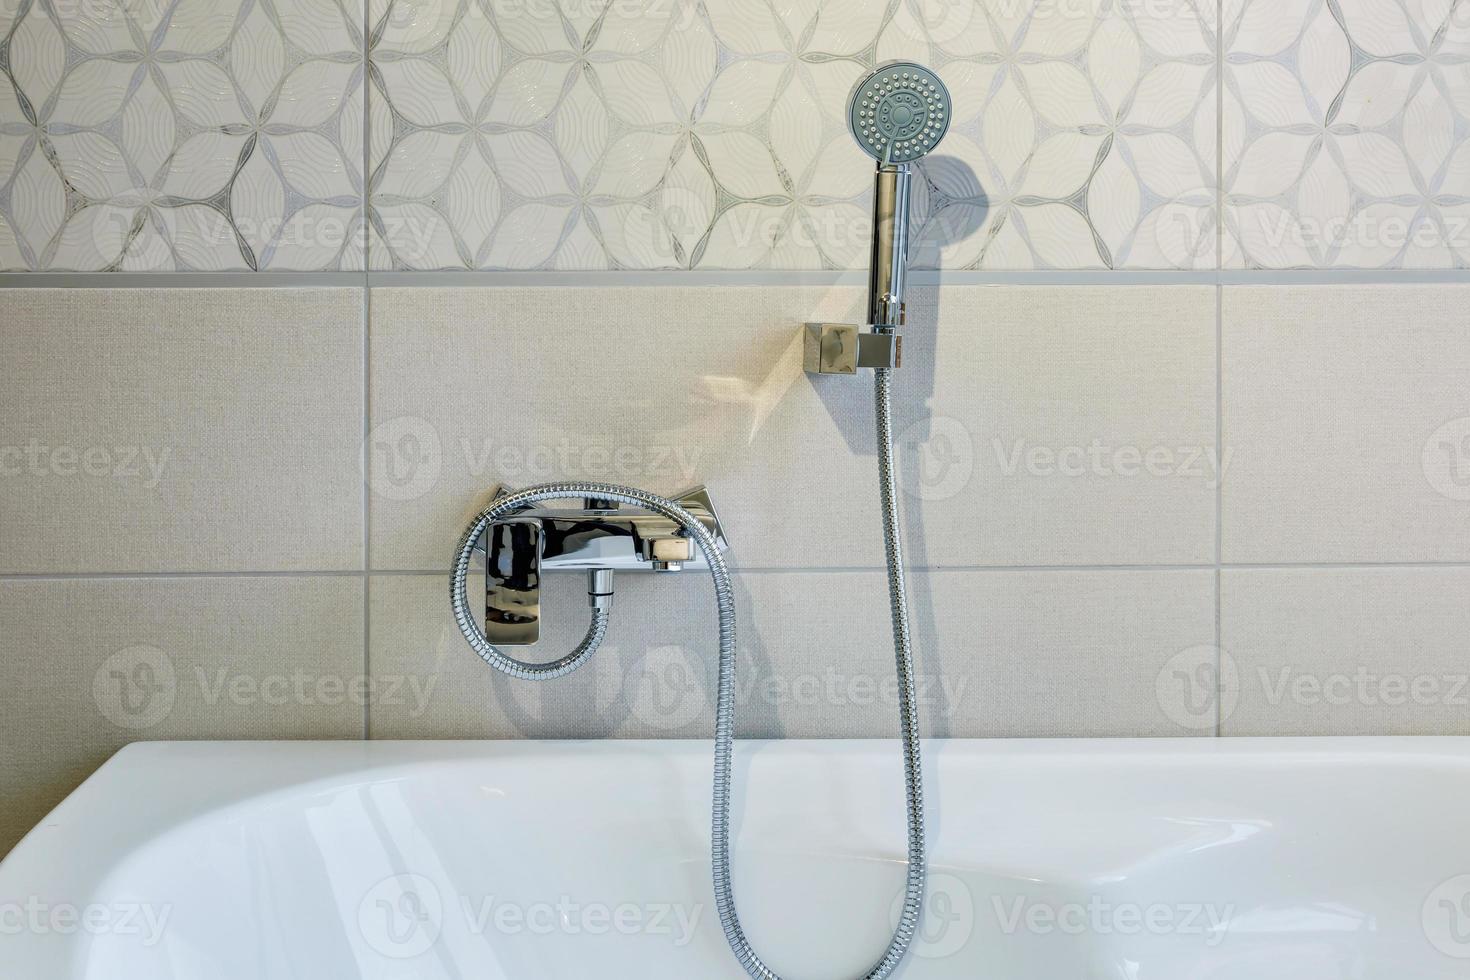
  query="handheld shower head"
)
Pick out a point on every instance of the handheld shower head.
point(897, 114)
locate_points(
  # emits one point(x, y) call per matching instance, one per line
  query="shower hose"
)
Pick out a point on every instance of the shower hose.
point(725, 707)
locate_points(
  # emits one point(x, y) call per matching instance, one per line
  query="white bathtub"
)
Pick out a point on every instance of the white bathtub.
point(1162, 860)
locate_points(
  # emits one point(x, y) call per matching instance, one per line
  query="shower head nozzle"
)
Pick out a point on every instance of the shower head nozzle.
point(899, 112)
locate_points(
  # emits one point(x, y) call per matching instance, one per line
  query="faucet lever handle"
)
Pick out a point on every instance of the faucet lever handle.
point(513, 581)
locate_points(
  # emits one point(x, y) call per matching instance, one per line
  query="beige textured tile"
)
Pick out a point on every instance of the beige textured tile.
point(180, 430)
point(664, 388)
point(1347, 410)
point(998, 654)
point(89, 665)
point(1372, 651)
point(660, 388)
point(1057, 426)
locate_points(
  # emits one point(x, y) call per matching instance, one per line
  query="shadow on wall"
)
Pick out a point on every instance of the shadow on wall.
point(942, 219)
point(953, 208)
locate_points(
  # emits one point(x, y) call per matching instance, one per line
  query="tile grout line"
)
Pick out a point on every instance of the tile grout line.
point(367, 372)
point(591, 279)
point(1219, 509)
point(1220, 137)
point(22, 577)
point(1219, 362)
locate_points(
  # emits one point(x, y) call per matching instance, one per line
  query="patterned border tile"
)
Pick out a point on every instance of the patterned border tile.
point(147, 135)
point(1347, 134)
point(676, 135)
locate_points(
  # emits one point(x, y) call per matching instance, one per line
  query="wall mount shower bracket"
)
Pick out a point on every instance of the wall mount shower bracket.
point(843, 348)
point(599, 537)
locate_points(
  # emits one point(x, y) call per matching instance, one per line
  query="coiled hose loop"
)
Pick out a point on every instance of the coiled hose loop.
point(725, 704)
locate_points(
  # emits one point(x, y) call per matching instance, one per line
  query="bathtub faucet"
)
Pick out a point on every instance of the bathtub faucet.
point(600, 537)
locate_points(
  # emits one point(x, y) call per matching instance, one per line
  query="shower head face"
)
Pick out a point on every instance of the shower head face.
point(899, 113)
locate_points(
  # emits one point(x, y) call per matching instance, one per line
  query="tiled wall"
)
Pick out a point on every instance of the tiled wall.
point(229, 512)
point(653, 134)
point(188, 549)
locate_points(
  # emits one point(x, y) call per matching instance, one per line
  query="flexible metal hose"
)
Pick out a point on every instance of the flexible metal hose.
point(725, 705)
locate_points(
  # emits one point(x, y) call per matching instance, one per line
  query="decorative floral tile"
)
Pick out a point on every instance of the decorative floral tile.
point(1347, 134)
point(648, 134)
point(181, 135)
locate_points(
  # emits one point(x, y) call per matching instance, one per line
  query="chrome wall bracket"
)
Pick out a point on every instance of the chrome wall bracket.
point(843, 348)
point(597, 538)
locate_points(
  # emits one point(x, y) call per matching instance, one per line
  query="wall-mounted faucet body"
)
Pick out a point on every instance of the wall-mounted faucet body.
point(599, 537)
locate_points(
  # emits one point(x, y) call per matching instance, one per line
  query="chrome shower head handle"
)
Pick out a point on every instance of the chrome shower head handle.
point(897, 114)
